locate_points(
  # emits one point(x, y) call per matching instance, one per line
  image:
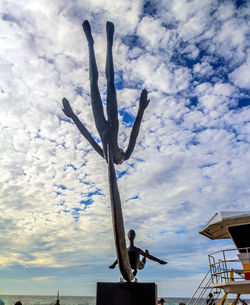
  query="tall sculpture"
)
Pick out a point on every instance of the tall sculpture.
point(108, 132)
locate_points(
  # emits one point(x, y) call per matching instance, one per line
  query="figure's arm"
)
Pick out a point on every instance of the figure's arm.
point(153, 258)
point(136, 127)
point(114, 264)
point(84, 131)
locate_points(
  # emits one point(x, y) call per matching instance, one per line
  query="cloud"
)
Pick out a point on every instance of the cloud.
point(191, 155)
point(43, 278)
point(239, 75)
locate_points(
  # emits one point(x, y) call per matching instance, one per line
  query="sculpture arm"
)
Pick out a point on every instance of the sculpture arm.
point(84, 131)
point(136, 127)
point(114, 264)
point(153, 258)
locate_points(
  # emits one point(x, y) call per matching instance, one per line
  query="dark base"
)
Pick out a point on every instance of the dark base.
point(126, 294)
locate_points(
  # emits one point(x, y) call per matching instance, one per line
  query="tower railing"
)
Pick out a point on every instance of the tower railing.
point(224, 266)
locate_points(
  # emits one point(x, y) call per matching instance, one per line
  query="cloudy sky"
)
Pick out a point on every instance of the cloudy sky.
point(192, 155)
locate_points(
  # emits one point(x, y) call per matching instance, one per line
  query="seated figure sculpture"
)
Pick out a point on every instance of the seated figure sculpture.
point(134, 255)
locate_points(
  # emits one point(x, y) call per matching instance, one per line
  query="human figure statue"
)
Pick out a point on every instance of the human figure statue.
point(107, 129)
point(134, 255)
point(110, 150)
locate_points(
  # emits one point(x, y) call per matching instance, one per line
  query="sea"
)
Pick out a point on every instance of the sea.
point(66, 300)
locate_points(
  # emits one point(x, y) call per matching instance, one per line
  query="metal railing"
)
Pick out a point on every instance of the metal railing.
point(224, 266)
point(200, 294)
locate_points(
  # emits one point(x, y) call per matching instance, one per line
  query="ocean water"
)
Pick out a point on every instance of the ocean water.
point(67, 300)
point(47, 300)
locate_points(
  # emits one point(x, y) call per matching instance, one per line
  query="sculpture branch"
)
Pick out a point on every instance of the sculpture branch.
point(84, 131)
point(136, 127)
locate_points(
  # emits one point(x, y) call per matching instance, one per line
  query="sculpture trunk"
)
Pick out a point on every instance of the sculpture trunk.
point(117, 219)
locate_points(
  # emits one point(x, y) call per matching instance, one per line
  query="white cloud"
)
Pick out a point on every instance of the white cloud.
point(240, 75)
point(151, 31)
point(190, 160)
point(204, 69)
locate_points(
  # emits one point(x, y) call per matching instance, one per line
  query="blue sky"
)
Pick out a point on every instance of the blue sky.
point(192, 155)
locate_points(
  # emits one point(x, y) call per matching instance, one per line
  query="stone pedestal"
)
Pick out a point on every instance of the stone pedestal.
point(126, 293)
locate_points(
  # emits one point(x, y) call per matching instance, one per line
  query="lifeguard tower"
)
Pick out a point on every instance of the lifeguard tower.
point(229, 270)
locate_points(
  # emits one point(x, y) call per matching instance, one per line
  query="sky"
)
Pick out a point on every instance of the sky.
point(192, 155)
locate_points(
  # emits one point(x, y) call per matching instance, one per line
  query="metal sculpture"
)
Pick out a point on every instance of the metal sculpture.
point(134, 255)
point(108, 132)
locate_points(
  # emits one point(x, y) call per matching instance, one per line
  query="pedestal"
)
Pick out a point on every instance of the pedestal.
point(126, 293)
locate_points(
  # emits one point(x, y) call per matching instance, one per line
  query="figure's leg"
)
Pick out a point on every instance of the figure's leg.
point(141, 264)
point(144, 258)
point(112, 110)
point(111, 92)
point(97, 107)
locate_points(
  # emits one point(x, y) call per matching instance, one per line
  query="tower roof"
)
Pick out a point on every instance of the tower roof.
point(217, 227)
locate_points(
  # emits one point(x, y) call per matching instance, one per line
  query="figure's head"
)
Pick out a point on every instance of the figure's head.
point(131, 235)
point(210, 295)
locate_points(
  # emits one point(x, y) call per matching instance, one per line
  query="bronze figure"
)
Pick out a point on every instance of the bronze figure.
point(110, 150)
point(134, 255)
